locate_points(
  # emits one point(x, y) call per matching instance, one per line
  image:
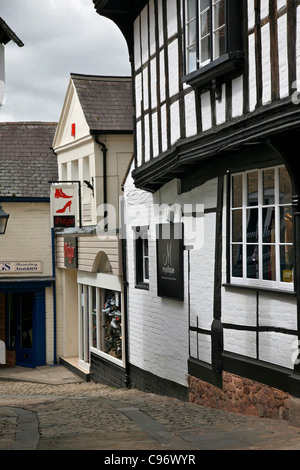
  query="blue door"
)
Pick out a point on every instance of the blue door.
point(26, 323)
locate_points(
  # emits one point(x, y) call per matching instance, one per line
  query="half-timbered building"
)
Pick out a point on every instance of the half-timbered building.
point(217, 123)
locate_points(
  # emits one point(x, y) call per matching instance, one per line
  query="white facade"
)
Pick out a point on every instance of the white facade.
point(84, 286)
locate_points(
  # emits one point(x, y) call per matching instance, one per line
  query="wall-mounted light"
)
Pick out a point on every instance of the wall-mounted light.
point(3, 220)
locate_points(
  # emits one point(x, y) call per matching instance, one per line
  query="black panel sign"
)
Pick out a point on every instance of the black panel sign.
point(64, 221)
point(169, 244)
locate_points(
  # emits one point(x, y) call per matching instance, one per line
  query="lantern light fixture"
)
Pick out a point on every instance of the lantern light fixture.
point(3, 220)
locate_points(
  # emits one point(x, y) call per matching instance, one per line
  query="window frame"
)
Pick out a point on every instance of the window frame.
point(201, 35)
point(260, 282)
point(141, 258)
point(93, 321)
point(231, 61)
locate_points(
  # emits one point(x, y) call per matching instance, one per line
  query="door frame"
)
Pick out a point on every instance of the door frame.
point(39, 318)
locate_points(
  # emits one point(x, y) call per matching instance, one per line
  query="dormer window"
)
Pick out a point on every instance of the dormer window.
point(212, 38)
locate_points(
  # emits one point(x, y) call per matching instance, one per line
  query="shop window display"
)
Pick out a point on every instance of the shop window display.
point(101, 322)
point(112, 326)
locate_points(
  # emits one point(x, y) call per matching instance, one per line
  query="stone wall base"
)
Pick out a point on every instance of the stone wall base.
point(240, 395)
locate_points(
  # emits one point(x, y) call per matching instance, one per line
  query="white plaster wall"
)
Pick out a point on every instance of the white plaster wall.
point(190, 114)
point(144, 35)
point(264, 9)
point(277, 348)
point(153, 83)
point(158, 328)
point(152, 26)
point(175, 119)
point(240, 342)
point(237, 96)
point(173, 68)
point(206, 111)
point(283, 56)
point(239, 307)
point(252, 73)
point(266, 63)
point(272, 312)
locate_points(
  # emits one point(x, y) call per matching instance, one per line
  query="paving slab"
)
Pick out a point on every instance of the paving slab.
point(56, 374)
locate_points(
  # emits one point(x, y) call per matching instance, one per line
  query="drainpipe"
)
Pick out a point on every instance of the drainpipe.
point(104, 152)
point(125, 287)
point(54, 297)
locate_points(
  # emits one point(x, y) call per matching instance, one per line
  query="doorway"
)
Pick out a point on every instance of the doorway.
point(24, 308)
point(25, 327)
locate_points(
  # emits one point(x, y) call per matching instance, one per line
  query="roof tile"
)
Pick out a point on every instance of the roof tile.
point(27, 161)
point(106, 102)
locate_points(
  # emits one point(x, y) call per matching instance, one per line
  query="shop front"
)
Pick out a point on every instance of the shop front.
point(23, 320)
point(91, 307)
point(101, 325)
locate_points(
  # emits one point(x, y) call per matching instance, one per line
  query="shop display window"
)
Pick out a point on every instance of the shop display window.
point(112, 325)
point(101, 322)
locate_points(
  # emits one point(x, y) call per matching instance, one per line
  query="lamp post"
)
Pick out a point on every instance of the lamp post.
point(3, 220)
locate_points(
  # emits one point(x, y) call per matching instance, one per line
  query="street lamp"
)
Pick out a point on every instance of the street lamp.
point(3, 220)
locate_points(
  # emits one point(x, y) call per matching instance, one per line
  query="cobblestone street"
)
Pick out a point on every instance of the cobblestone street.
point(86, 416)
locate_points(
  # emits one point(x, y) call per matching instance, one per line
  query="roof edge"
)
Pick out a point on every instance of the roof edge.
point(104, 78)
point(28, 123)
point(10, 34)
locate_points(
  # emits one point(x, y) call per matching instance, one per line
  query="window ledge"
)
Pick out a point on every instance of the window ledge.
point(217, 70)
point(260, 289)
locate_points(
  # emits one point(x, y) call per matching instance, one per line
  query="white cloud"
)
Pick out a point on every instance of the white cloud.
point(60, 37)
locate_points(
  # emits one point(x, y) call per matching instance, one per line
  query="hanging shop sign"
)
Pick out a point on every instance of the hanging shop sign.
point(64, 205)
point(169, 244)
point(70, 252)
point(21, 267)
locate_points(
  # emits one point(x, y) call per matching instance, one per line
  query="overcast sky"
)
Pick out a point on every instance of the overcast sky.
point(60, 37)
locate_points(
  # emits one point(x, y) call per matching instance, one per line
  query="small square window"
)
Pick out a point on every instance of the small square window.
point(142, 257)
